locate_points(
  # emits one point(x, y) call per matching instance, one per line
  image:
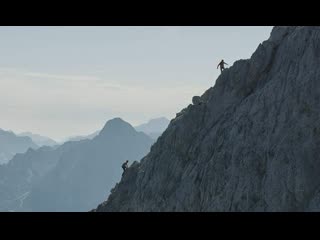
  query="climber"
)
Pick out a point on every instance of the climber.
point(125, 166)
point(221, 64)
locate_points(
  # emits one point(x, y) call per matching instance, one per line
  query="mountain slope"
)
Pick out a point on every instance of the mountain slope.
point(11, 144)
point(251, 145)
point(85, 174)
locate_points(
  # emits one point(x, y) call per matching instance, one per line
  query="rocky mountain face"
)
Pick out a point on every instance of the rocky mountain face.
point(250, 143)
point(86, 172)
point(11, 144)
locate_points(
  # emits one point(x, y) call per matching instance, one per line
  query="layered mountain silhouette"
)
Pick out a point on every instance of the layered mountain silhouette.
point(11, 144)
point(250, 143)
point(39, 140)
point(79, 138)
point(75, 176)
point(154, 127)
point(19, 175)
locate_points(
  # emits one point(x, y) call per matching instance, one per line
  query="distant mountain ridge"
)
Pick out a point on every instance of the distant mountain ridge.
point(79, 138)
point(39, 140)
point(11, 144)
point(154, 127)
point(74, 176)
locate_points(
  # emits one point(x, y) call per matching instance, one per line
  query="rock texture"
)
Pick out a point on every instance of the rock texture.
point(252, 145)
point(196, 100)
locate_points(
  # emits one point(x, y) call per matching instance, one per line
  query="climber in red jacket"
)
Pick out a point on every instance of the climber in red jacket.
point(221, 64)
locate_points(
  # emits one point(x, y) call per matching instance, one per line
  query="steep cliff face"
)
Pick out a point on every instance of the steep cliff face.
point(252, 144)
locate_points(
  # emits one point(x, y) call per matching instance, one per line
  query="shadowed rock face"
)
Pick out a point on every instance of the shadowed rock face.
point(251, 145)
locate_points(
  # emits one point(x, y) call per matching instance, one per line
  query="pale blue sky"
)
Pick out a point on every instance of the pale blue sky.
point(63, 81)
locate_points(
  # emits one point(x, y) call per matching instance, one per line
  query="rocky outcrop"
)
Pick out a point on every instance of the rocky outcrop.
point(196, 100)
point(252, 145)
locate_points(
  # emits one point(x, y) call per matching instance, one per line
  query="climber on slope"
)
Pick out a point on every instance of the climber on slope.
point(125, 166)
point(221, 64)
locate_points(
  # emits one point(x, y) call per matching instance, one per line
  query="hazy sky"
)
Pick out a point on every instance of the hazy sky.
point(65, 81)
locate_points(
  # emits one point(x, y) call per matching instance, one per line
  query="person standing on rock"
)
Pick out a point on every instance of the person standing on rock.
point(125, 166)
point(221, 64)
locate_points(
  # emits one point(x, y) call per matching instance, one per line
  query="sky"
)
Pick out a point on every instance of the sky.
point(66, 81)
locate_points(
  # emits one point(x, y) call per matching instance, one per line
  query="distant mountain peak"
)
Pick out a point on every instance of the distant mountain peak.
point(116, 125)
point(155, 125)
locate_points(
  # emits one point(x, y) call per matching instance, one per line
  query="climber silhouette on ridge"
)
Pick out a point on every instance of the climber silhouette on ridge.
point(221, 64)
point(124, 166)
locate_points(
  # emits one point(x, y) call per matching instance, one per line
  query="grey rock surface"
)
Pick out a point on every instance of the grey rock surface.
point(253, 145)
point(196, 100)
